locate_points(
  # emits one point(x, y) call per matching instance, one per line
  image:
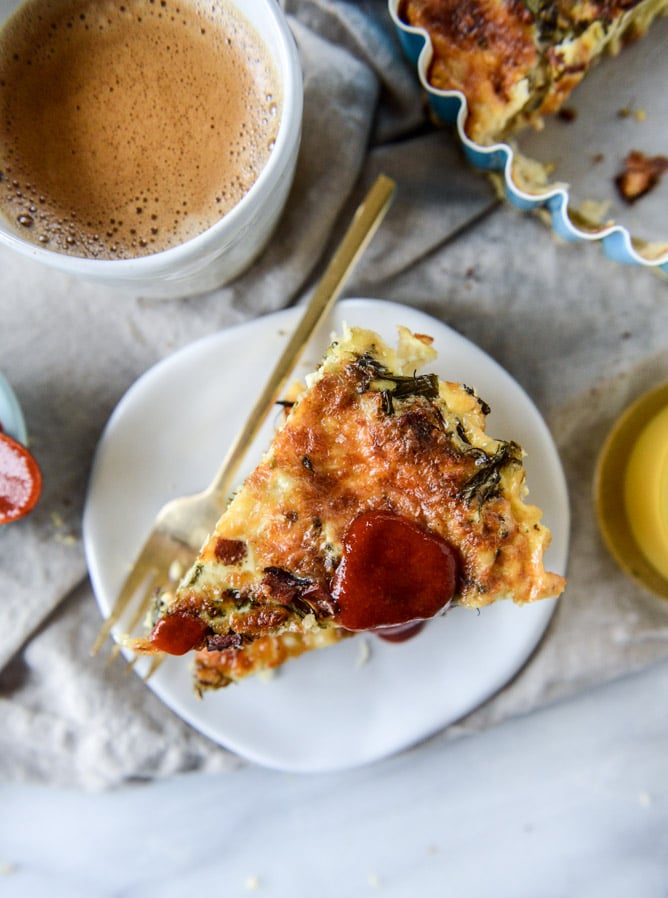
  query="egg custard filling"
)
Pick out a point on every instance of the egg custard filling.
point(380, 503)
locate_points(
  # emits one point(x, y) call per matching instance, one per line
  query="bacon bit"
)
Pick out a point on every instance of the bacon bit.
point(230, 551)
point(259, 620)
point(20, 480)
point(641, 174)
point(220, 642)
point(301, 593)
point(282, 586)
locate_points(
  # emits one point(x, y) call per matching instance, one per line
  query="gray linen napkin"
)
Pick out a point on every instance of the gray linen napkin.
point(574, 329)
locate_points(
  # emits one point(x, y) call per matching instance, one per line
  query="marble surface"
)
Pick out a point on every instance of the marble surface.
point(571, 800)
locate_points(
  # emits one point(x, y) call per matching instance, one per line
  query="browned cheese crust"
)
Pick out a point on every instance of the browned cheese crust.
point(216, 668)
point(518, 60)
point(364, 436)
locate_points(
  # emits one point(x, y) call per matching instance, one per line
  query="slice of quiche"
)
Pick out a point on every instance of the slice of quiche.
point(380, 502)
point(516, 61)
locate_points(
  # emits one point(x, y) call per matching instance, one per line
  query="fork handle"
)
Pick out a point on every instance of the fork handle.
point(364, 225)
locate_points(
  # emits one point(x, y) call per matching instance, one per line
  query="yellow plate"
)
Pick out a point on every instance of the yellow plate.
point(633, 462)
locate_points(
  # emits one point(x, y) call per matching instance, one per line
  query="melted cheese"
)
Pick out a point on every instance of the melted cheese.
point(518, 60)
point(355, 442)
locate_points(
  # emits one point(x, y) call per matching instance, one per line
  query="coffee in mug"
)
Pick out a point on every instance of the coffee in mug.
point(128, 127)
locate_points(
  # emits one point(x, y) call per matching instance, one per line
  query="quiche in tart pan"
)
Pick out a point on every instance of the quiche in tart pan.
point(500, 68)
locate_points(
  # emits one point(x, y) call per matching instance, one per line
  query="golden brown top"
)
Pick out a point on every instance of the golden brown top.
point(483, 48)
point(363, 438)
point(517, 60)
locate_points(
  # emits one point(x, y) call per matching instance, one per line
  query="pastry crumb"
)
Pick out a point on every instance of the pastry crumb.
point(252, 883)
point(363, 653)
point(374, 880)
point(62, 535)
point(594, 211)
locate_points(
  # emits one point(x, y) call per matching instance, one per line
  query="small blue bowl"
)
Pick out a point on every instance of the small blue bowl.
point(450, 106)
point(11, 416)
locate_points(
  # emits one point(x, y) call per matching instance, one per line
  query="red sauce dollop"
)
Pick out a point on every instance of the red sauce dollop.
point(393, 573)
point(178, 633)
point(20, 480)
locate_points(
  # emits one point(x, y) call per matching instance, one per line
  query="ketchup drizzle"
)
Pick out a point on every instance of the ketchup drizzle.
point(393, 573)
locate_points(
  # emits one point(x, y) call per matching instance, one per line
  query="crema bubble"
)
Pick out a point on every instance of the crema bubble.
point(139, 129)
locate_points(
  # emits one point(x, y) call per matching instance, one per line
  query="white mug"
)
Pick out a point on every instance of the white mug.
point(228, 247)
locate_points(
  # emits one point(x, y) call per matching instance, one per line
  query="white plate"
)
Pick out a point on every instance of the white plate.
point(323, 711)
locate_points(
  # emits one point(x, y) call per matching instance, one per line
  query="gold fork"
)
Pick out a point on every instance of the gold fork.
point(182, 525)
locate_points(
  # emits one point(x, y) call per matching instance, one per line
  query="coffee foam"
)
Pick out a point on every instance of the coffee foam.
point(129, 127)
